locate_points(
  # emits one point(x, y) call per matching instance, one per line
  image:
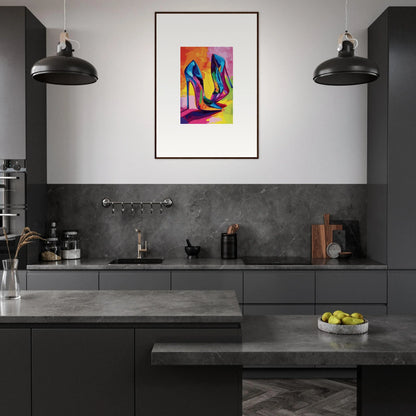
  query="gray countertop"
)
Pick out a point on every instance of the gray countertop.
point(295, 341)
point(208, 264)
point(133, 307)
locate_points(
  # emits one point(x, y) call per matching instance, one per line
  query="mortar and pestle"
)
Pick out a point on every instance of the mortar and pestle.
point(192, 251)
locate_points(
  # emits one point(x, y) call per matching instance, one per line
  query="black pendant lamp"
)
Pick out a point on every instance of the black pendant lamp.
point(346, 68)
point(64, 68)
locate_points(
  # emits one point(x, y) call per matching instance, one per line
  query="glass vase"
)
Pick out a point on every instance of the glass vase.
point(10, 287)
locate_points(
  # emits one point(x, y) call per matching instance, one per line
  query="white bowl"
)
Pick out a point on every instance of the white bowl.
point(343, 329)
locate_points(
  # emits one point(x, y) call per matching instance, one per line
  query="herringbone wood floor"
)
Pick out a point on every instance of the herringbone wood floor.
point(294, 397)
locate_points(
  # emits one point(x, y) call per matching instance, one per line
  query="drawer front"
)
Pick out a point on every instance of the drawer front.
point(279, 287)
point(280, 309)
point(402, 292)
point(135, 280)
point(209, 280)
point(365, 309)
point(22, 279)
point(56, 280)
point(367, 286)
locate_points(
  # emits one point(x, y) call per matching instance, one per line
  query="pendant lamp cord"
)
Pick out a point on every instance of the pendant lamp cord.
point(64, 15)
point(346, 16)
point(64, 35)
point(346, 35)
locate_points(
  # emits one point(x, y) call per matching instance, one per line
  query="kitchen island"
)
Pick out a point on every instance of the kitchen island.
point(89, 353)
point(385, 357)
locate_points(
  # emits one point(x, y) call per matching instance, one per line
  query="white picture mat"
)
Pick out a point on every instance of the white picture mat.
point(175, 140)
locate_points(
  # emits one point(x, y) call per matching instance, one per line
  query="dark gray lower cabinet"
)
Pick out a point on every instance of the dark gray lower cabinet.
point(15, 372)
point(135, 280)
point(62, 280)
point(280, 309)
point(364, 308)
point(363, 286)
point(402, 291)
point(82, 372)
point(186, 390)
point(209, 280)
point(279, 292)
point(279, 287)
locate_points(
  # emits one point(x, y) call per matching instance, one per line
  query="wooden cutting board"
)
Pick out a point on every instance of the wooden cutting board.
point(322, 236)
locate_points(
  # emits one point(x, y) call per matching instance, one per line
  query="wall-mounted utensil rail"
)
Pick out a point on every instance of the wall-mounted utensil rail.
point(134, 206)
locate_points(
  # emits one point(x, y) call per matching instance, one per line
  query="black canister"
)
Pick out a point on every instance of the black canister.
point(228, 246)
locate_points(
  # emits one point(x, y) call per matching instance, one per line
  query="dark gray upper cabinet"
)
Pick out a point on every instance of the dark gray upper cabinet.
point(22, 100)
point(391, 139)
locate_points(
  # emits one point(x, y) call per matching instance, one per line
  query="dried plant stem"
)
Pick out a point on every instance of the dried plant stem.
point(7, 244)
point(26, 238)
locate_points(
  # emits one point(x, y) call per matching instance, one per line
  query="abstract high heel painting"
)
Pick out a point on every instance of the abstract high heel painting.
point(206, 87)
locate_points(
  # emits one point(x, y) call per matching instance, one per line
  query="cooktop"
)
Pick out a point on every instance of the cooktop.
point(252, 260)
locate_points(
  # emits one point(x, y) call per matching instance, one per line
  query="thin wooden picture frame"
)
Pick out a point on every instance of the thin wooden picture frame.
point(185, 128)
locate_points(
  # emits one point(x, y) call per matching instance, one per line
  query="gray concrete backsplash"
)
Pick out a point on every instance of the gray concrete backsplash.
point(275, 220)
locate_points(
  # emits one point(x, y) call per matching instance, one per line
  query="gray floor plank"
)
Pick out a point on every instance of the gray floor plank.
point(298, 397)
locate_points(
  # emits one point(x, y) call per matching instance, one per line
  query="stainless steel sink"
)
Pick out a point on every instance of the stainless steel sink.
point(147, 260)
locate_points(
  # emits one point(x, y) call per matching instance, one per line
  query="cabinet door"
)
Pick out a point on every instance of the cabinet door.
point(186, 390)
point(279, 309)
point(83, 372)
point(402, 292)
point(15, 372)
point(12, 85)
point(209, 280)
point(135, 280)
point(363, 286)
point(364, 308)
point(57, 280)
point(279, 287)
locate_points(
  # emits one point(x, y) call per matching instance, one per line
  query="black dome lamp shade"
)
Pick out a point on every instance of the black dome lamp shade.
point(346, 68)
point(64, 68)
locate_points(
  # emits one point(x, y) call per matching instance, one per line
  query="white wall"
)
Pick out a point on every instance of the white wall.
point(104, 133)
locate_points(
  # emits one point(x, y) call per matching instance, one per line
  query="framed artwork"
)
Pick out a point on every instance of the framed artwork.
point(206, 85)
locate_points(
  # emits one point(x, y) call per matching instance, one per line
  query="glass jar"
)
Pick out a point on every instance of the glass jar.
point(70, 248)
point(50, 250)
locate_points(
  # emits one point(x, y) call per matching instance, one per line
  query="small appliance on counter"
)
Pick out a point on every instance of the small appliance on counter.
point(229, 243)
point(70, 247)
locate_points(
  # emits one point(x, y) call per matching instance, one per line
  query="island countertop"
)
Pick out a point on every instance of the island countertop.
point(295, 341)
point(124, 307)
